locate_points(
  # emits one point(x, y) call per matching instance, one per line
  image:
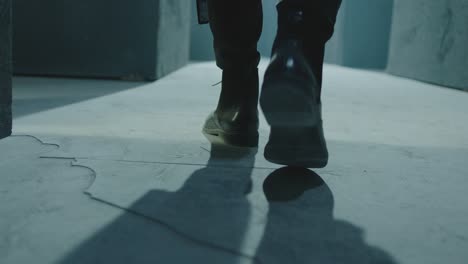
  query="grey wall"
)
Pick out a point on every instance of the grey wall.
point(201, 40)
point(5, 68)
point(141, 39)
point(362, 34)
point(430, 41)
point(173, 36)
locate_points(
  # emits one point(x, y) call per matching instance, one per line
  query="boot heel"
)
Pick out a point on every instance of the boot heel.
point(297, 146)
point(284, 103)
point(245, 140)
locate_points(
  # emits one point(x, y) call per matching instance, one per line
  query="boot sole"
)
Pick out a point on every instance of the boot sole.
point(298, 147)
point(249, 140)
point(294, 156)
point(285, 106)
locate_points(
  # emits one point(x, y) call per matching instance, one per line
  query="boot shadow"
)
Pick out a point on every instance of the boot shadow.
point(301, 227)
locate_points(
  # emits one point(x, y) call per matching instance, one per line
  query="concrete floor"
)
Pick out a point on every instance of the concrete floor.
point(114, 172)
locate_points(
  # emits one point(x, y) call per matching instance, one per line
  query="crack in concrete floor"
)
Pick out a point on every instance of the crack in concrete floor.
point(157, 221)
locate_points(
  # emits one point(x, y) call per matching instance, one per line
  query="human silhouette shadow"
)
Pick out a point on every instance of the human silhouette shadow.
point(210, 210)
point(301, 227)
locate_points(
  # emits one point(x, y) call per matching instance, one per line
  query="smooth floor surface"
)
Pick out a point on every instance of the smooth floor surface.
point(118, 172)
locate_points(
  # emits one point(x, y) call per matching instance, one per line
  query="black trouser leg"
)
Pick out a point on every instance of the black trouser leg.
point(236, 27)
point(315, 29)
point(290, 97)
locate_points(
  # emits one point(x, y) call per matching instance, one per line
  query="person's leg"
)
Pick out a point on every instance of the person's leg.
point(236, 27)
point(292, 87)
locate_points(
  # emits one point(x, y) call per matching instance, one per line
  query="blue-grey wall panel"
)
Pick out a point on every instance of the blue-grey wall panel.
point(430, 41)
point(5, 68)
point(201, 42)
point(173, 38)
point(107, 38)
point(362, 34)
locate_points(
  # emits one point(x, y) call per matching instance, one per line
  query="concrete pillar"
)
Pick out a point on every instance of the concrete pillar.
point(429, 41)
point(5, 68)
point(136, 40)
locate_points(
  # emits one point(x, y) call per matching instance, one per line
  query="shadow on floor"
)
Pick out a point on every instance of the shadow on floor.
point(36, 94)
point(301, 227)
point(212, 204)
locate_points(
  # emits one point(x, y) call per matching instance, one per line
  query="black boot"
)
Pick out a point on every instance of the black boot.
point(290, 97)
point(235, 120)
